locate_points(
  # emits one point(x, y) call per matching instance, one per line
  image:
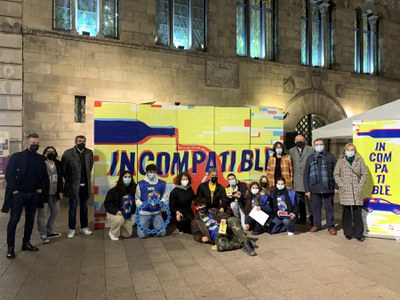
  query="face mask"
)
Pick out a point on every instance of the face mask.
point(350, 154)
point(127, 180)
point(278, 150)
point(319, 148)
point(264, 184)
point(34, 147)
point(203, 210)
point(81, 146)
point(280, 187)
point(51, 156)
point(151, 176)
point(232, 182)
point(185, 182)
point(214, 179)
point(254, 191)
point(300, 144)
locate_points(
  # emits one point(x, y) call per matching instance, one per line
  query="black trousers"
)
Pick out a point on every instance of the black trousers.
point(184, 225)
point(352, 221)
point(18, 202)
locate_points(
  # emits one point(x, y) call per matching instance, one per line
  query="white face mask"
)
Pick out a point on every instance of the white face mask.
point(254, 191)
point(319, 148)
point(350, 154)
point(278, 150)
point(185, 182)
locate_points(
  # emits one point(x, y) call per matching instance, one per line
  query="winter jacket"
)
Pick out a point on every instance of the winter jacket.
point(181, 199)
point(286, 168)
point(203, 191)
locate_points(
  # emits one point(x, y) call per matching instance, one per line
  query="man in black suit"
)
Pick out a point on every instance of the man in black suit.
point(26, 176)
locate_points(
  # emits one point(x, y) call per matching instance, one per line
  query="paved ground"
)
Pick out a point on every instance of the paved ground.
point(305, 266)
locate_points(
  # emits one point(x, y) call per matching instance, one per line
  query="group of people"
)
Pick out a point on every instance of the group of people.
point(303, 179)
point(35, 182)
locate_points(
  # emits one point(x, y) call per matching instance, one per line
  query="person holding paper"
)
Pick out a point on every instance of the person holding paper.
point(254, 203)
point(285, 207)
point(212, 226)
point(351, 174)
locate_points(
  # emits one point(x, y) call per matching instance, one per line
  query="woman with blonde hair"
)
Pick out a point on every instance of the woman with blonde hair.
point(351, 174)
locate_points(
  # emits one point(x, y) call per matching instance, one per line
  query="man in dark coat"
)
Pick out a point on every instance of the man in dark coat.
point(26, 177)
point(77, 164)
point(320, 185)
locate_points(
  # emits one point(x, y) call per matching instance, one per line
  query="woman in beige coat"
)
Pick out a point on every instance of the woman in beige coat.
point(351, 174)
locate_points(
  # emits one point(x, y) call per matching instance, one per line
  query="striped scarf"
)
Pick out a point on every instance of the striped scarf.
point(314, 176)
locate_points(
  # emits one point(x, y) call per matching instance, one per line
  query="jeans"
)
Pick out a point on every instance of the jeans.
point(18, 202)
point(238, 212)
point(54, 205)
point(155, 220)
point(281, 225)
point(73, 203)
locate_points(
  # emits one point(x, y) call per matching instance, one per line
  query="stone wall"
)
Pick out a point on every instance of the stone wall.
point(11, 71)
point(59, 66)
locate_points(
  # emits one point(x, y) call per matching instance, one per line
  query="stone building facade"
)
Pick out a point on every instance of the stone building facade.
point(43, 70)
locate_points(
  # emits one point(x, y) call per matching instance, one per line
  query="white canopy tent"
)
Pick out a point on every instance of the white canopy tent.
point(344, 128)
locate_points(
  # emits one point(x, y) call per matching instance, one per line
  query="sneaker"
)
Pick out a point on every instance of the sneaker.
point(86, 231)
point(248, 248)
point(290, 233)
point(44, 239)
point(112, 237)
point(53, 235)
point(70, 233)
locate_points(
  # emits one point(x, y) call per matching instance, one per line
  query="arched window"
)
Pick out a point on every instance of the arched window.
point(182, 23)
point(92, 17)
point(366, 42)
point(256, 28)
point(316, 33)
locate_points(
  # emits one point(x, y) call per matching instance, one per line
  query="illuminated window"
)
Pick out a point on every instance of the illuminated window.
point(256, 28)
point(366, 42)
point(182, 23)
point(92, 17)
point(316, 33)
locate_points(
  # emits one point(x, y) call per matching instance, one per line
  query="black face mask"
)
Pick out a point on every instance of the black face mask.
point(51, 156)
point(264, 184)
point(81, 146)
point(203, 211)
point(300, 144)
point(214, 179)
point(34, 147)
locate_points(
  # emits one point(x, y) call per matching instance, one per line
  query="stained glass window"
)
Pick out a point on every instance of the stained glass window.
point(62, 15)
point(241, 48)
point(110, 18)
point(255, 28)
point(357, 46)
point(181, 23)
point(92, 17)
point(366, 45)
point(316, 33)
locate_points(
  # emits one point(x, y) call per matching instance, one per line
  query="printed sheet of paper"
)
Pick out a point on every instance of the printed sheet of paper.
point(259, 216)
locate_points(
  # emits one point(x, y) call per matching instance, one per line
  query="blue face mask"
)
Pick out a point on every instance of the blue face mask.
point(350, 154)
point(151, 176)
point(319, 148)
point(127, 180)
point(232, 182)
point(278, 150)
point(280, 187)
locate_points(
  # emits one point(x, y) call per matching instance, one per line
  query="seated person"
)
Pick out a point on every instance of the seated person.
point(120, 205)
point(148, 190)
point(206, 229)
point(257, 200)
point(264, 184)
point(235, 198)
point(211, 190)
point(180, 202)
point(285, 207)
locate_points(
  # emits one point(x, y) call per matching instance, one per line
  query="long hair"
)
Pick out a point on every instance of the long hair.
point(267, 189)
point(343, 152)
point(250, 197)
point(122, 188)
point(276, 191)
point(179, 178)
point(282, 146)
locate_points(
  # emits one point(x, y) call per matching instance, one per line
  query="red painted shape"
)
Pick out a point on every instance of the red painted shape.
point(96, 158)
point(96, 190)
point(97, 103)
point(247, 123)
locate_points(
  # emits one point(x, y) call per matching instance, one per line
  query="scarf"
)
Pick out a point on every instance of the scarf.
point(314, 175)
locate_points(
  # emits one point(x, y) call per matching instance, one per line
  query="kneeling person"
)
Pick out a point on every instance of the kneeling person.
point(206, 229)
